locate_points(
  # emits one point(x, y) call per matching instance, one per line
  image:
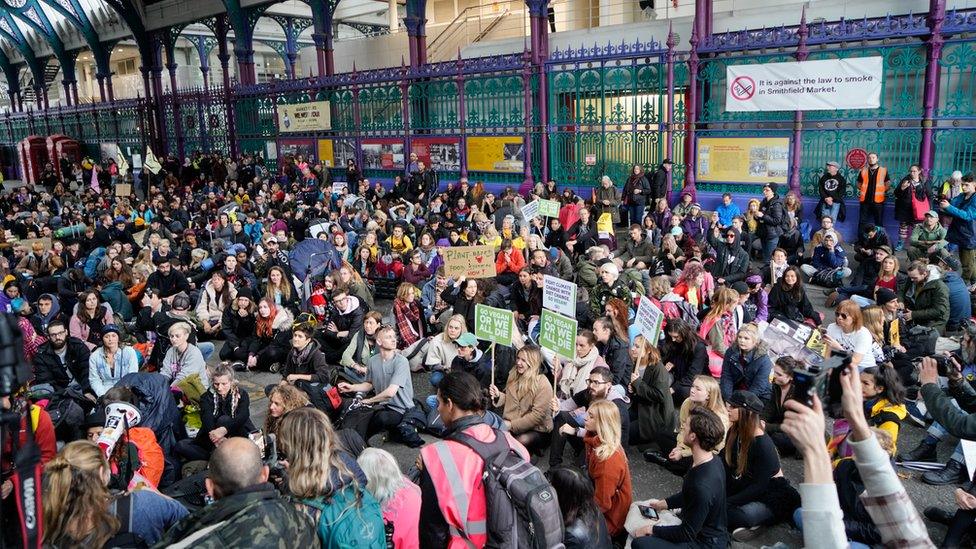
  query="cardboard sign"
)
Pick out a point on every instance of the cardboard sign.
point(469, 261)
point(123, 189)
point(492, 324)
point(548, 208)
point(649, 319)
point(339, 186)
point(559, 295)
point(558, 334)
point(530, 210)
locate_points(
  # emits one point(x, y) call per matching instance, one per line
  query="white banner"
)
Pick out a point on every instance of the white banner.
point(831, 84)
point(559, 295)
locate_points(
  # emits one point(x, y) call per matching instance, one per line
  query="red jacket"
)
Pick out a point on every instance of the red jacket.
point(514, 264)
point(611, 484)
point(43, 435)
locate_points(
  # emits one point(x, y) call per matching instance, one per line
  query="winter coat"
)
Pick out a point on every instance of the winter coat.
point(942, 407)
point(313, 364)
point(930, 303)
point(904, 211)
point(653, 402)
point(642, 251)
point(211, 306)
point(634, 183)
point(685, 368)
point(610, 194)
point(962, 230)
point(531, 410)
point(771, 223)
point(239, 331)
point(616, 354)
point(48, 367)
point(114, 295)
point(659, 184)
point(246, 519)
point(824, 258)
point(960, 303)
point(749, 372)
point(612, 487)
point(732, 270)
point(782, 305)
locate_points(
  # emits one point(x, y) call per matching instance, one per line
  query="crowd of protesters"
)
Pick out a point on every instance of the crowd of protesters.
point(165, 300)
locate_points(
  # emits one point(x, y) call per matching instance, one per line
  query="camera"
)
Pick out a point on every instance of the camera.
point(810, 381)
point(943, 363)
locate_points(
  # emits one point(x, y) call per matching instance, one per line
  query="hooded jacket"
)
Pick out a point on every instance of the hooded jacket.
point(239, 331)
point(40, 321)
point(748, 371)
point(930, 303)
point(962, 230)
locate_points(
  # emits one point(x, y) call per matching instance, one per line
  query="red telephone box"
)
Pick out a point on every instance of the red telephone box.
point(33, 156)
point(58, 144)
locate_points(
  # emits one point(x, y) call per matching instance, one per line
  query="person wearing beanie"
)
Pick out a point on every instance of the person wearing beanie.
point(239, 325)
point(960, 301)
point(105, 372)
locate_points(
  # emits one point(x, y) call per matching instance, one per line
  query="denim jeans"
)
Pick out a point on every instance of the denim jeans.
point(798, 520)
point(636, 212)
point(206, 349)
point(768, 245)
point(832, 211)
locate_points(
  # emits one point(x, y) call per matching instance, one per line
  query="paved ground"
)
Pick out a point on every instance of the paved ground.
point(652, 481)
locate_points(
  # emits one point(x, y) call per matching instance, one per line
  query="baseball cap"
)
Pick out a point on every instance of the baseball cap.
point(834, 164)
point(932, 213)
point(181, 301)
point(747, 400)
point(110, 329)
point(467, 339)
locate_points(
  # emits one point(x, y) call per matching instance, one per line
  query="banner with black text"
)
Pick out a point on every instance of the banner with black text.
point(831, 84)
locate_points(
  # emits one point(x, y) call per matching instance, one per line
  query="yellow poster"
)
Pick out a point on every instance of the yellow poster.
point(304, 117)
point(743, 159)
point(496, 154)
point(326, 152)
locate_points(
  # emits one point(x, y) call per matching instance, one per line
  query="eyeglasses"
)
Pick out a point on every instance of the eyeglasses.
point(596, 382)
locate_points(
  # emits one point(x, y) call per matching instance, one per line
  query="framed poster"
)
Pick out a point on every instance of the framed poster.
point(313, 116)
point(441, 153)
point(496, 154)
point(382, 154)
point(305, 147)
point(326, 152)
point(343, 150)
point(743, 159)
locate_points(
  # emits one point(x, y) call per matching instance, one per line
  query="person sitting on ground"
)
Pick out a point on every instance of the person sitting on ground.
point(705, 392)
point(685, 356)
point(362, 346)
point(788, 299)
point(584, 525)
point(80, 510)
point(571, 413)
point(183, 359)
point(611, 285)
point(829, 256)
point(572, 376)
point(443, 348)
point(652, 410)
point(928, 237)
point(469, 359)
point(702, 497)
point(637, 252)
point(747, 365)
point(775, 407)
point(613, 349)
point(399, 498)
point(884, 401)
point(757, 492)
point(350, 312)
point(960, 300)
point(273, 329)
point(247, 510)
point(412, 330)
point(215, 297)
point(111, 362)
point(526, 402)
point(281, 400)
point(926, 296)
point(225, 412)
point(607, 466)
point(239, 324)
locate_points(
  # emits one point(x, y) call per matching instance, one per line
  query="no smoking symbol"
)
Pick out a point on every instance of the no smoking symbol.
point(743, 88)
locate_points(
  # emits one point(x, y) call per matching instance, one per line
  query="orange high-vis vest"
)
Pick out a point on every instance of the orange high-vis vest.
point(879, 186)
point(456, 473)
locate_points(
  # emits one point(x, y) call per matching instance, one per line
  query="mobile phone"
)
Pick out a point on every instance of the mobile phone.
point(648, 512)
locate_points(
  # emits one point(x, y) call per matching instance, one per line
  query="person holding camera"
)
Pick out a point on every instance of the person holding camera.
point(962, 230)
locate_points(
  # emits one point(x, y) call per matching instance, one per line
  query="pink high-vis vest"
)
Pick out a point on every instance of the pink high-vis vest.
point(456, 471)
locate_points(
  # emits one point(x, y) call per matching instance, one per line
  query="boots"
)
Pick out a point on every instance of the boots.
point(939, 515)
point(831, 300)
point(953, 473)
point(925, 451)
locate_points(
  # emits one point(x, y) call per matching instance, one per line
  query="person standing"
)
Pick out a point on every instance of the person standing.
point(772, 218)
point(872, 184)
point(659, 183)
point(962, 230)
point(636, 193)
point(910, 191)
point(832, 187)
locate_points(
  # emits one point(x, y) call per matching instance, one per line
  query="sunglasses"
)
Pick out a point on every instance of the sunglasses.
point(843, 315)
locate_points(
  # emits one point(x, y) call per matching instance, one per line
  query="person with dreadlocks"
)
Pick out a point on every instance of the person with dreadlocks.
point(224, 412)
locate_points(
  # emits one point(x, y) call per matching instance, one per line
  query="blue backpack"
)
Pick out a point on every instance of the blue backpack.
point(349, 517)
point(91, 264)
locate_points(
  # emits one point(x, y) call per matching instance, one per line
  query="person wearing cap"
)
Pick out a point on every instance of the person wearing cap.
point(828, 256)
point(110, 362)
point(756, 491)
point(872, 185)
point(912, 195)
point(772, 220)
point(962, 230)
point(960, 301)
point(826, 225)
point(928, 237)
point(469, 359)
point(832, 188)
point(239, 325)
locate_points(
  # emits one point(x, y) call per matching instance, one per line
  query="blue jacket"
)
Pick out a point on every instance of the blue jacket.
point(824, 258)
point(960, 305)
point(726, 213)
point(750, 373)
point(962, 230)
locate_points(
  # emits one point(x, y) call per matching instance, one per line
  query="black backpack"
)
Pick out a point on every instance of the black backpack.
point(125, 538)
point(523, 512)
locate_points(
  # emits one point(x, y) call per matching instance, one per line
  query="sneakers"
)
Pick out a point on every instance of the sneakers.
point(923, 452)
point(952, 473)
point(745, 534)
point(916, 413)
point(239, 366)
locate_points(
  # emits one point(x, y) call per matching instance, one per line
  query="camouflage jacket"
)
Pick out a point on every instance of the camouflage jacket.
point(255, 517)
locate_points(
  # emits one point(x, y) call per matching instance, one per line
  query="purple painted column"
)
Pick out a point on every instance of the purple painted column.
point(539, 12)
point(411, 22)
point(527, 91)
point(797, 154)
point(671, 43)
point(223, 57)
point(691, 118)
point(205, 72)
point(931, 98)
point(462, 115)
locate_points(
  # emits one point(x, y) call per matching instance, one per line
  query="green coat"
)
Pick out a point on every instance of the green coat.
point(959, 423)
point(643, 251)
point(929, 305)
point(256, 517)
point(587, 275)
point(921, 233)
point(652, 399)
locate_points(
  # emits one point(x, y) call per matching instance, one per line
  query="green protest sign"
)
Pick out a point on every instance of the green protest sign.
point(548, 208)
point(492, 324)
point(558, 334)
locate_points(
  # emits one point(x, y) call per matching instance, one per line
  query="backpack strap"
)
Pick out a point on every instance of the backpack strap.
point(123, 512)
point(491, 452)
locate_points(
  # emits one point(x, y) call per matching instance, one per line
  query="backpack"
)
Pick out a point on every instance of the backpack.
point(523, 511)
point(350, 517)
point(121, 507)
point(828, 278)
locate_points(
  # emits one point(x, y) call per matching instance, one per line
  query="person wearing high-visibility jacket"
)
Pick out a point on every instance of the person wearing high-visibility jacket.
point(454, 509)
point(872, 185)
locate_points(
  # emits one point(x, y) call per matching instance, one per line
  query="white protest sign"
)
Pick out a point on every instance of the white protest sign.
point(649, 319)
point(530, 210)
point(830, 84)
point(339, 186)
point(559, 295)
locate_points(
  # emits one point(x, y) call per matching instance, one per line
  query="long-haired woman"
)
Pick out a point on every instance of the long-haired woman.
point(607, 464)
point(273, 330)
point(319, 470)
point(87, 322)
point(756, 491)
point(789, 300)
point(216, 296)
point(775, 410)
point(705, 391)
point(224, 413)
point(80, 510)
point(279, 290)
point(747, 365)
point(718, 328)
point(684, 355)
point(847, 333)
point(281, 400)
point(527, 401)
point(411, 326)
point(585, 527)
point(652, 408)
point(399, 498)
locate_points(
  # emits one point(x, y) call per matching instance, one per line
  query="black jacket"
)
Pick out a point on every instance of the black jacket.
point(587, 533)
point(48, 367)
point(314, 364)
point(771, 223)
point(616, 354)
point(659, 184)
point(168, 285)
point(236, 421)
point(685, 368)
point(635, 182)
point(240, 331)
point(734, 269)
point(782, 305)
